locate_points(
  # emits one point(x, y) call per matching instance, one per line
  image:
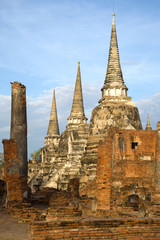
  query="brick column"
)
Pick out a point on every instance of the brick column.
point(104, 173)
point(19, 124)
point(16, 185)
point(157, 165)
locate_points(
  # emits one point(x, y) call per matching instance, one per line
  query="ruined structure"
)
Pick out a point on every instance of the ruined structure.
point(148, 125)
point(15, 149)
point(115, 108)
point(128, 173)
point(17, 189)
point(18, 129)
point(74, 153)
point(97, 181)
point(60, 157)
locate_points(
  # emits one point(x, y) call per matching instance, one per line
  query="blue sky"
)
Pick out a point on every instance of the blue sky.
point(41, 42)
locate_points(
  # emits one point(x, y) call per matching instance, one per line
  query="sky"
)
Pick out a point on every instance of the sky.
point(41, 42)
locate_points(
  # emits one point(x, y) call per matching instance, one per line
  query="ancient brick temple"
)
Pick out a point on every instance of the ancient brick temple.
point(116, 162)
point(74, 152)
point(127, 179)
point(94, 181)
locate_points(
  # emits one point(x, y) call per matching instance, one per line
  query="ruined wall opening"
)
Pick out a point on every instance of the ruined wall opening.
point(134, 145)
point(133, 201)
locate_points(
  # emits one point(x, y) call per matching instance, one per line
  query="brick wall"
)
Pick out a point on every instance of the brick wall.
point(125, 178)
point(157, 172)
point(126, 229)
point(104, 174)
point(16, 185)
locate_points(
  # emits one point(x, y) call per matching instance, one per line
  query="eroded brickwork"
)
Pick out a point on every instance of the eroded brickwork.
point(120, 192)
point(126, 172)
point(18, 129)
point(104, 174)
point(74, 152)
point(16, 185)
point(157, 163)
point(124, 229)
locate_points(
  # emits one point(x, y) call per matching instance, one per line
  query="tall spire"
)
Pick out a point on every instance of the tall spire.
point(114, 83)
point(53, 129)
point(77, 113)
point(148, 125)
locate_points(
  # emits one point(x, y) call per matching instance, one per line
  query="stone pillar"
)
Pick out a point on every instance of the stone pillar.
point(157, 165)
point(18, 129)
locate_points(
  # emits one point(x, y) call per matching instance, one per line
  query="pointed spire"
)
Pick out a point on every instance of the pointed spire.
point(148, 125)
point(53, 129)
point(34, 157)
point(77, 113)
point(114, 77)
point(114, 72)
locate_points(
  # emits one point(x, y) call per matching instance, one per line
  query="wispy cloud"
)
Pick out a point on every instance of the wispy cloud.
point(39, 111)
point(41, 42)
point(39, 34)
point(5, 113)
point(151, 107)
point(39, 108)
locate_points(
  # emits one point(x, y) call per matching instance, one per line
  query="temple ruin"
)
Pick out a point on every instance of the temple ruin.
point(94, 181)
point(74, 152)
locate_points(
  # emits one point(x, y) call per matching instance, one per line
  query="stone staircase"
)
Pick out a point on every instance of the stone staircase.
point(89, 158)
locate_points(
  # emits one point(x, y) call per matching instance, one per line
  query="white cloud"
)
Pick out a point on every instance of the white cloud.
point(5, 113)
point(151, 107)
point(41, 41)
point(39, 111)
point(39, 34)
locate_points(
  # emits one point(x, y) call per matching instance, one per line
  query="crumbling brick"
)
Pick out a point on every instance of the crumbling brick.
point(16, 185)
point(126, 169)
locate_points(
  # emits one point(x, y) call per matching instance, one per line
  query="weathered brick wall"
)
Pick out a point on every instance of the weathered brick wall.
point(16, 185)
point(104, 174)
point(126, 229)
point(157, 172)
point(67, 217)
point(25, 212)
point(126, 172)
point(63, 213)
point(89, 189)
